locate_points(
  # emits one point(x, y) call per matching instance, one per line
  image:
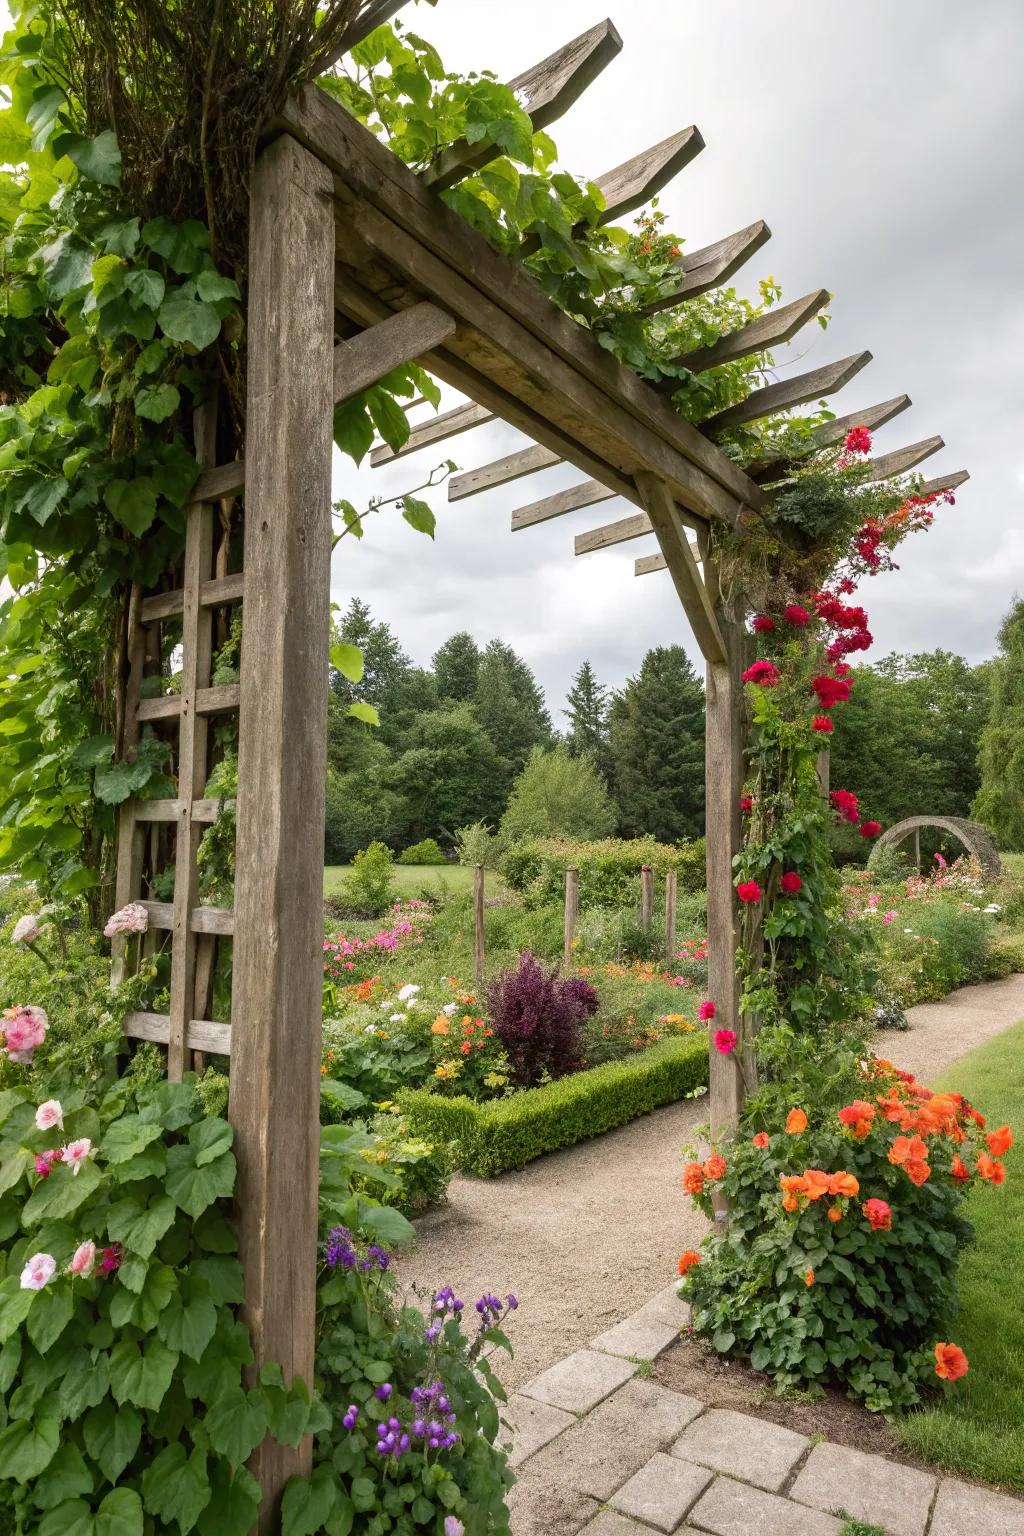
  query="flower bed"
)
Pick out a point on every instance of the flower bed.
point(508, 1133)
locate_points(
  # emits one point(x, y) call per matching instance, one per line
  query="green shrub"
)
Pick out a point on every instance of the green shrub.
point(609, 869)
point(369, 885)
point(477, 844)
point(426, 852)
point(511, 1132)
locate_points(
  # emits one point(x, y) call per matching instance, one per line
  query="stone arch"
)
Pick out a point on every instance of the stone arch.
point(975, 838)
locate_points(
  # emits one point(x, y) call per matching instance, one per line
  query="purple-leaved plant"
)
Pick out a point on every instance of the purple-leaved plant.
point(538, 1017)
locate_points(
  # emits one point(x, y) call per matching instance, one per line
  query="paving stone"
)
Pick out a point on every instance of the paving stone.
point(613, 1442)
point(541, 1504)
point(961, 1510)
point(580, 1381)
point(867, 1487)
point(754, 1449)
point(610, 1523)
point(531, 1426)
point(665, 1309)
point(662, 1492)
point(735, 1509)
point(635, 1339)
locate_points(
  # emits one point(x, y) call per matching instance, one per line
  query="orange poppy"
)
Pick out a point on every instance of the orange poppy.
point(960, 1170)
point(950, 1362)
point(818, 1183)
point(693, 1178)
point(879, 1214)
point(990, 1168)
point(907, 1149)
point(1000, 1141)
point(917, 1171)
point(843, 1184)
point(761, 1139)
point(857, 1117)
point(688, 1260)
point(715, 1166)
point(796, 1121)
point(439, 1026)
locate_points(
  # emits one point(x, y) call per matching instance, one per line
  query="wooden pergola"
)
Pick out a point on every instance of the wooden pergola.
point(356, 267)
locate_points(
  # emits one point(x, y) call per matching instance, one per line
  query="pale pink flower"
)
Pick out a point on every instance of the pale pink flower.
point(83, 1260)
point(76, 1152)
point(453, 1526)
point(48, 1115)
point(888, 917)
point(24, 1031)
point(39, 1270)
point(130, 919)
point(26, 930)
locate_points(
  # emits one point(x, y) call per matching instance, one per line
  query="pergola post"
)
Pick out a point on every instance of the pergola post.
point(277, 980)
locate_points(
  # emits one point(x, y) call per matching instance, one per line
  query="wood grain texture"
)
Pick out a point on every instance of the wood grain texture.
point(613, 533)
point(548, 90)
point(769, 330)
point(479, 954)
point(277, 959)
point(831, 432)
point(225, 480)
point(513, 466)
point(636, 181)
point(587, 494)
point(646, 565)
point(213, 593)
point(437, 429)
point(682, 566)
point(646, 897)
point(788, 393)
point(712, 265)
point(367, 169)
point(671, 898)
point(572, 900)
point(901, 460)
point(365, 359)
point(947, 482)
point(169, 810)
point(201, 1035)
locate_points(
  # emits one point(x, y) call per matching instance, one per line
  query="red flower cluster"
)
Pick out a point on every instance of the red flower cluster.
point(844, 802)
point(831, 691)
point(870, 828)
point(748, 892)
point(763, 625)
point(857, 440)
point(796, 615)
point(823, 725)
point(764, 673)
point(747, 804)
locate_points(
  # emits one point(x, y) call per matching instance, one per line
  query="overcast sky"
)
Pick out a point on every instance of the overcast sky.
point(882, 144)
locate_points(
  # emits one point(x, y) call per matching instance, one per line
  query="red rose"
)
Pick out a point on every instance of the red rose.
point(764, 673)
point(822, 724)
point(796, 615)
point(844, 802)
point(763, 625)
point(747, 803)
point(870, 828)
point(791, 882)
point(830, 690)
point(749, 892)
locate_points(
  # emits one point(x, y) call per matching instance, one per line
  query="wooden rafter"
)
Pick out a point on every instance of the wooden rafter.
point(547, 90)
point(766, 331)
point(712, 265)
point(872, 417)
point(586, 494)
point(663, 513)
point(613, 533)
point(636, 181)
point(788, 393)
point(436, 429)
point(947, 482)
point(887, 465)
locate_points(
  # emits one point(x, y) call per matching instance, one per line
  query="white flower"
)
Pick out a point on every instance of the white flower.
point(39, 1270)
point(371, 1029)
point(76, 1153)
point(993, 907)
point(908, 930)
point(26, 930)
point(409, 990)
point(384, 1005)
point(130, 919)
point(396, 1018)
point(450, 1008)
point(48, 1115)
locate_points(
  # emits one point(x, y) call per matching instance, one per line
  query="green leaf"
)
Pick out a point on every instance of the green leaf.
point(141, 1376)
point(175, 1486)
point(60, 1195)
point(388, 417)
point(50, 1316)
point(129, 1135)
point(418, 515)
point(99, 159)
point(43, 497)
point(119, 237)
point(365, 712)
point(348, 659)
point(212, 287)
point(132, 502)
point(85, 1382)
point(65, 1478)
point(234, 1507)
point(140, 1227)
point(155, 402)
point(71, 1519)
point(28, 1447)
point(387, 1225)
point(187, 319)
point(181, 245)
point(353, 429)
point(117, 782)
point(41, 116)
point(192, 1187)
point(93, 752)
point(15, 1305)
point(236, 1423)
point(188, 1322)
point(307, 1503)
point(210, 1138)
point(144, 1307)
point(120, 1514)
point(66, 266)
point(112, 1437)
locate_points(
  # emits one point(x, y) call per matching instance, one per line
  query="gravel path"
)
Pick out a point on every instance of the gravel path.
point(586, 1236)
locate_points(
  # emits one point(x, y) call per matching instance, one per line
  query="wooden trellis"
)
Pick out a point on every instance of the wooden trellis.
point(357, 267)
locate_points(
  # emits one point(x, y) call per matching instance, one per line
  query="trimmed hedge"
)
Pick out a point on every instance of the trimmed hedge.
point(508, 1133)
point(609, 868)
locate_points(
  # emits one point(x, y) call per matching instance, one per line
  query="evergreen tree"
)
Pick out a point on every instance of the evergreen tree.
point(456, 664)
point(1000, 799)
point(509, 705)
point(385, 664)
point(656, 747)
point(587, 713)
point(449, 775)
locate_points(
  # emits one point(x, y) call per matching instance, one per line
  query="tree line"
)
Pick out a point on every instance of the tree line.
point(471, 739)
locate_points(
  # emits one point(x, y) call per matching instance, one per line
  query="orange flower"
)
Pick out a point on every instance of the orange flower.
point(843, 1184)
point(917, 1171)
point(817, 1183)
point(466, 1047)
point(688, 1260)
point(835, 1213)
point(858, 1117)
point(1000, 1141)
point(439, 1026)
point(990, 1168)
point(761, 1139)
point(693, 1178)
point(960, 1170)
point(715, 1166)
point(796, 1121)
point(950, 1362)
point(808, 1277)
point(793, 1185)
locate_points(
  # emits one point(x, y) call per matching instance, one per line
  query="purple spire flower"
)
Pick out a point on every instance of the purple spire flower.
point(384, 1391)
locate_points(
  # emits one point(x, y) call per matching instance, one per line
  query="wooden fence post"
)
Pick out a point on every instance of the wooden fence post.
point(571, 911)
point(671, 883)
point(917, 850)
point(278, 964)
point(646, 897)
point(478, 924)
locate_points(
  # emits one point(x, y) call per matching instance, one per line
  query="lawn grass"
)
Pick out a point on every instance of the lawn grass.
point(411, 879)
point(977, 1427)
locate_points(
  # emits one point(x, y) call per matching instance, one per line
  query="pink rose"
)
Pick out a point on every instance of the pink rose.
point(48, 1115)
point(83, 1260)
point(24, 1031)
point(26, 930)
point(76, 1153)
point(130, 919)
point(39, 1271)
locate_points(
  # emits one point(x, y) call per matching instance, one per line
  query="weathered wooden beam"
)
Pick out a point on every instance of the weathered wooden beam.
point(661, 509)
point(613, 533)
point(365, 359)
point(887, 465)
point(586, 494)
point(438, 429)
point(169, 810)
point(517, 337)
point(220, 589)
point(277, 993)
point(646, 565)
point(636, 181)
point(712, 265)
point(201, 1034)
point(948, 482)
point(872, 417)
point(788, 393)
point(766, 331)
point(513, 466)
point(547, 91)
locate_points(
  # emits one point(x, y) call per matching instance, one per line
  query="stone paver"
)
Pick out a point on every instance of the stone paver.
point(961, 1510)
point(613, 1442)
point(610, 1523)
point(753, 1449)
point(532, 1425)
point(661, 1492)
point(663, 1310)
point(580, 1381)
point(735, 1509)
point(869, 1488)
point(637, 1340)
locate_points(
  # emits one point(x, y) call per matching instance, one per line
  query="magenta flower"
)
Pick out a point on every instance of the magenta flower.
point(706, 1011)
point(725, 1041)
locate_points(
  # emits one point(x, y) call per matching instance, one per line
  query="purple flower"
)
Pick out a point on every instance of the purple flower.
point(339, 1250)
point(384, 1391)
point(350, 1418)
point(453, 1526)
point(433, 1333)
point(511, 1302)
